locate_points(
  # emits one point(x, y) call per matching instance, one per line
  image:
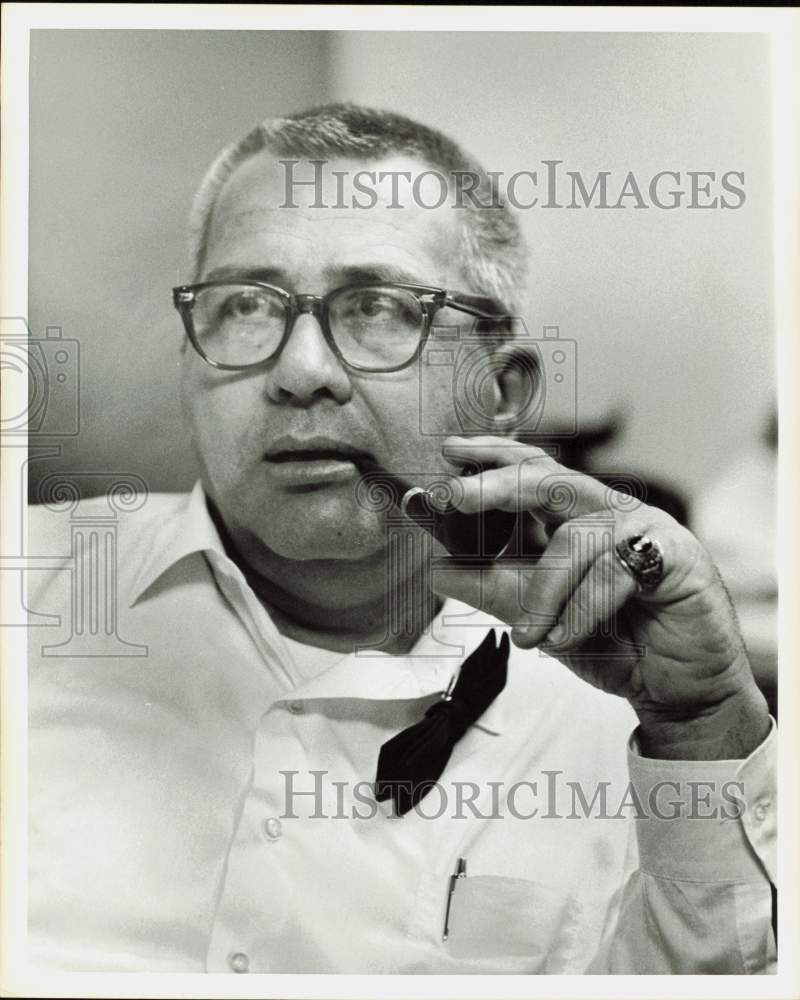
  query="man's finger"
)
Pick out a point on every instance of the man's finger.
point(487, 449)
point(558, 572)
point(526, 478)
point(495, 589)
point(529, 594)
point(590, 611)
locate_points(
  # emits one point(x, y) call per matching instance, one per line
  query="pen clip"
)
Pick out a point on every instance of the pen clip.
point(460, 872)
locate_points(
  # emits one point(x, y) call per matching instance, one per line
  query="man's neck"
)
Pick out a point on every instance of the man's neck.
point(334, 604)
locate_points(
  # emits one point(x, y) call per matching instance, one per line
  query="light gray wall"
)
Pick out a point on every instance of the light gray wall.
point(123, 126)
point(671, 311)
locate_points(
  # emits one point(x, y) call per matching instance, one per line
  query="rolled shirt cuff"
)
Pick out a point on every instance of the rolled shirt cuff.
point(705, 821)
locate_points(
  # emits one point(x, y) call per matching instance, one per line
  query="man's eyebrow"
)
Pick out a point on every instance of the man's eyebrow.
point(351, 274)
point(357, 273)
point(272, 275)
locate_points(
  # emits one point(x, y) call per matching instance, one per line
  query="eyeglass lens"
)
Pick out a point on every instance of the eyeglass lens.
point(374, 326)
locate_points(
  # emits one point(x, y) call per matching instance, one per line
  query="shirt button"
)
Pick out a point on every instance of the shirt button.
point(239, 962)
point(272, 828)
point(296, 707)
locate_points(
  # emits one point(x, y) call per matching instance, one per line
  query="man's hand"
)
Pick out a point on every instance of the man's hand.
point(675, 653)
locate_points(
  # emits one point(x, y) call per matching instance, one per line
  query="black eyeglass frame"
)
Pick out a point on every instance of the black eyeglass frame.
point(430, 299)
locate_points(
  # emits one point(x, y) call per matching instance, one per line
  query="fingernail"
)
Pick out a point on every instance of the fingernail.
point(524, 631)
point(556, 636)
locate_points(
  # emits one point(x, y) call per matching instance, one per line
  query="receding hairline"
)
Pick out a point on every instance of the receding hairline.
point(302, 166)
point(493, 248)
point(359, 162)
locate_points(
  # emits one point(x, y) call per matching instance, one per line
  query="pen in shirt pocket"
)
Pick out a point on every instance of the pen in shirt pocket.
point(460, 872)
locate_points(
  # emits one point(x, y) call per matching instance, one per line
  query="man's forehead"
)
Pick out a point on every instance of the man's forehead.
point(398, 182)
point(267, 200)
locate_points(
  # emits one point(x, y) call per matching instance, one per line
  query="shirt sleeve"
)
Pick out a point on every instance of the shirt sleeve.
point(698, 894)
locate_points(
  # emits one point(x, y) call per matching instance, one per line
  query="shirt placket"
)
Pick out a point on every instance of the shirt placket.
point(271, 912)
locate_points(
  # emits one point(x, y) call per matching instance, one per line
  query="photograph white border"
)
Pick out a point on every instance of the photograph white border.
point(783, 27)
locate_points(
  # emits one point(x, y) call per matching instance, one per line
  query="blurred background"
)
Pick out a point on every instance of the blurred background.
point(670, 311)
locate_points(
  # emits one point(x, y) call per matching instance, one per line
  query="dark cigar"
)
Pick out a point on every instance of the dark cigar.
point(483, 536)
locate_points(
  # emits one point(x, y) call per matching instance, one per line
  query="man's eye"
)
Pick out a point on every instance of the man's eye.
point(249, 305)
point(376, 304)
point(380, 307)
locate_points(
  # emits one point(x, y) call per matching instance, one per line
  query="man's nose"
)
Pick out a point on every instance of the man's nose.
point(307, 367)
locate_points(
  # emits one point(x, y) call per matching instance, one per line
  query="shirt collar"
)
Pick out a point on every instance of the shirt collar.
point(189, 530)
point(426, 670)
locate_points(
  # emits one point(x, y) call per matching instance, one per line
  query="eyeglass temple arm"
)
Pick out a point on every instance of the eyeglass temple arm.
point(472, 306)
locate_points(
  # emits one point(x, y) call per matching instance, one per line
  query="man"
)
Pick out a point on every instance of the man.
point(206, 807)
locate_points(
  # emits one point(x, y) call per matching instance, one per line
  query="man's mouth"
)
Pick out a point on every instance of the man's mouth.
point(313, 462)
point(311, 455)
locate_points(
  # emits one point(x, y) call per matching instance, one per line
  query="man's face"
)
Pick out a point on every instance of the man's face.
point(274, 442)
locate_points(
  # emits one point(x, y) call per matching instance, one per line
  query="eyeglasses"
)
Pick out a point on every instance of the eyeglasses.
point(236, 325)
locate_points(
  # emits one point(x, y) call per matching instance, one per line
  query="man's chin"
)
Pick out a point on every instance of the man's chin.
point(314, 549)
point(318, 527)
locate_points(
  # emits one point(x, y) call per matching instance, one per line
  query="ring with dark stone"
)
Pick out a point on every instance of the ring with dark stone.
point(643, 558)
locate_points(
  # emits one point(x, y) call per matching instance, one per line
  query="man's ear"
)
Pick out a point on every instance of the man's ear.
point(518, 383)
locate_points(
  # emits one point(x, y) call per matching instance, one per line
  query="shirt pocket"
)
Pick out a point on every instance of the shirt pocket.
point(499, 924)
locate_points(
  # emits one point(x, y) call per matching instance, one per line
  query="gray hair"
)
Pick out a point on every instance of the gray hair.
point(493, 249)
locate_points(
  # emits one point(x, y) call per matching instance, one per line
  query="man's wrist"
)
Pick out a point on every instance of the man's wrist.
point(729, 731)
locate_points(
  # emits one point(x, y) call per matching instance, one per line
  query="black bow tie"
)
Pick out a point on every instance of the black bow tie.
point(410, 763)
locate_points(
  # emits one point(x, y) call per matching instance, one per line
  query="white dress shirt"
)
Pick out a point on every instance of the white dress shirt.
point(174, 732)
